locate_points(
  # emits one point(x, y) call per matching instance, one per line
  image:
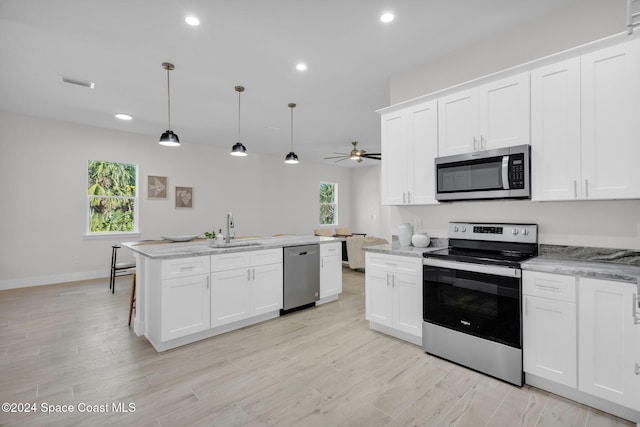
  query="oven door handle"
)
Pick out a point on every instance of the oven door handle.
point(476, 268)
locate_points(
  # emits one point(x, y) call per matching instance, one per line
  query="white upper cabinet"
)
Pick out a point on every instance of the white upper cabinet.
point(409, 147)
point(610, 112)
point(555, 131)
point(493, 115)
point(583, 113)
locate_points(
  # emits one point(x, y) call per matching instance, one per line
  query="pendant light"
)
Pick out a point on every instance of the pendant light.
point(238, 148)
point(169, 138)
point(291, 158)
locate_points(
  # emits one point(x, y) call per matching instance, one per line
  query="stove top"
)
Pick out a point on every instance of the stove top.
point(503, 244)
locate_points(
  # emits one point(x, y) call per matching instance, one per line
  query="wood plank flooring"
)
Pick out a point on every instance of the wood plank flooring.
point(69, 344)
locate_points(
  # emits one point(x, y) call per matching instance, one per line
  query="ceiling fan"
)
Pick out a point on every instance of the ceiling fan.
point(356, 154)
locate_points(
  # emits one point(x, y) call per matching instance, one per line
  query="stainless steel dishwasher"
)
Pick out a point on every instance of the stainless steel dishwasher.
point(301, 277)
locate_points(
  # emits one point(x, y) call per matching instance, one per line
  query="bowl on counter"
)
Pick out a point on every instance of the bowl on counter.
point(185, 238)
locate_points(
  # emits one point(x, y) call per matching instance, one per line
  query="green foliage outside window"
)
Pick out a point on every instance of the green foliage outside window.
point(111, 194)
point(328, 204)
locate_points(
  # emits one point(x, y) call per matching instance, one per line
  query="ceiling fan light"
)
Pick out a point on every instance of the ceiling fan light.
point(238, 149)
point(291, 158)
point(169, 139)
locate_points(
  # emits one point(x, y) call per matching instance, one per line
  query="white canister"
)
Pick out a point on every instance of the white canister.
point(420, 239)
point(405, 231)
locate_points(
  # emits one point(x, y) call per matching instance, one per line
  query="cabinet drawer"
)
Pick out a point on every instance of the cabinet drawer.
point(183, 267)
point(230, 261)
point(268, 256)
point(327, 249)
point(393, 262)
point(547, 285)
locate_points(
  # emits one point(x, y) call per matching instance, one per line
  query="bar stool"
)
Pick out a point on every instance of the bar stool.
point(118, 268)
point(132, 304)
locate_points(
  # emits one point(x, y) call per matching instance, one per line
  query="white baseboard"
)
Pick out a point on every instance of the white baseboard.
point(27, 282)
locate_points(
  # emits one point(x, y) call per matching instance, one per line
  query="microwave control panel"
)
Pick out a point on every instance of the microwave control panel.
point(516, 171)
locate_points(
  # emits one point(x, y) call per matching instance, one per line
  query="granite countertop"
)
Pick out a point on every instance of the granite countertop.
point(164, 249)
point(410, 251)
point(599, 263)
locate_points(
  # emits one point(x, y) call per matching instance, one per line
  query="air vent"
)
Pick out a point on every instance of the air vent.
point(77, 82)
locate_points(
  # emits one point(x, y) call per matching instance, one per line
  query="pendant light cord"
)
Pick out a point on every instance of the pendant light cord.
point(239, 92)
point(168, 100)
point(291, 129)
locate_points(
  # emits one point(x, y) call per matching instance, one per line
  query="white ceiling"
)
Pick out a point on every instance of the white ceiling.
point(120, 45)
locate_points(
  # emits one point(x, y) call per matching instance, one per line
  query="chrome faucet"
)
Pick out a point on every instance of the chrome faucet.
point(229, 227)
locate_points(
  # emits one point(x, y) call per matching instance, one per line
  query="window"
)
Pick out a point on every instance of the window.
point(112, 197)
point(328, 204)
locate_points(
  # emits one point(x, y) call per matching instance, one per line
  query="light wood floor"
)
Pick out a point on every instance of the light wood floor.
point(69, 344)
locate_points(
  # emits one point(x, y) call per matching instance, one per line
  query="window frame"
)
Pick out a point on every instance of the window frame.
point(135, 199)
point(335, 204)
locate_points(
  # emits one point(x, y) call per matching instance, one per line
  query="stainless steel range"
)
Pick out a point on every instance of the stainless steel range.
point(472, 297)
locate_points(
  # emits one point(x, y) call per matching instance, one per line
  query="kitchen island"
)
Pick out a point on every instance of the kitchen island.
point(188, 291)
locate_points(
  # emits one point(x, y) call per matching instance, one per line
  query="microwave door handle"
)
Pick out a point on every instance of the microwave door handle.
point(505, 172)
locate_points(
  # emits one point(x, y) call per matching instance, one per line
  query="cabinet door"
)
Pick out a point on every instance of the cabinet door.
point(394, 159)
point(407, 303)
point(555, 131)
point(230, 296)
point(330, 275)
point(550, 340)
point(266, 289)
point(185, 306)
point(608, 341)
point(458, 123)
point(610, 111)
point(378, 296)
point(423, 149)
point(504, 113)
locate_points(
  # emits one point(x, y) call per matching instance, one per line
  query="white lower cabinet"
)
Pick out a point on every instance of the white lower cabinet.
point(393, 294)
point(184, 299)
point(330, 269)
point(245, 284)
point(609, 323)
point(549, 327)
point(583, 333)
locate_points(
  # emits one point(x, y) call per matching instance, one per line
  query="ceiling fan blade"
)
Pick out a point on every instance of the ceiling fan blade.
point(344, 158)
point(337, 157)
point(373, 154)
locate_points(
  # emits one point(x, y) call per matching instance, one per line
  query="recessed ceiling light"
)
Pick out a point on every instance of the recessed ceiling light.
point(123, 116)
point(387, 17)
point(192, 20)
point(301, 66)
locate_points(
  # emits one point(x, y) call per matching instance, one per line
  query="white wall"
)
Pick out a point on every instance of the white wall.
point(43, 186)
point(604, 223)
point(570, 27)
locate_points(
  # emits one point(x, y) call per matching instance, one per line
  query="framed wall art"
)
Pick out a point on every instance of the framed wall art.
point(156, 187)
point(184, 197)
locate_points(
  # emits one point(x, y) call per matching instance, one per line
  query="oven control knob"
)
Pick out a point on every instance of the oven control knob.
point(455, 229)
point(464, 229)
point(514, 231)
point(525, 231)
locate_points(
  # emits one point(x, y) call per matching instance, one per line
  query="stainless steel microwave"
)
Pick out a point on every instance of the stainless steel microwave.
point(503, 173)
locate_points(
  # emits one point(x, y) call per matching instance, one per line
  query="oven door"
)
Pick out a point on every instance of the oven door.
point(476, 299)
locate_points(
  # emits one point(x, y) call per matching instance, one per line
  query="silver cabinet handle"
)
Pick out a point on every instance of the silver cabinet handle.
point(408, 196)
point(390, 264)
point(575, 189)
point(207, 282)
point(403, 197)
point(637, 366)
point(248, 274)
point(586, 188)
point(387, 279)
point(393, 280)
point(475, 143)
point(254, 273)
